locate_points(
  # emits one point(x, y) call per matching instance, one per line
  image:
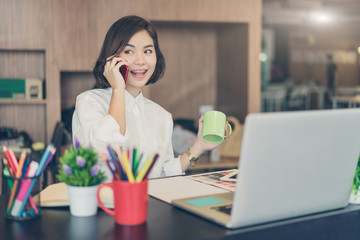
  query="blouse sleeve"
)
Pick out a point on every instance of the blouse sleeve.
point(172, 166)
point(93, 126)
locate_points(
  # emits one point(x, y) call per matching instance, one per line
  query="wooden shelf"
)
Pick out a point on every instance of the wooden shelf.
point(23, 102)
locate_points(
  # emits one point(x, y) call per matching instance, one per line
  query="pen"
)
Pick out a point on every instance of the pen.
point(9, 159)
point(50, 150)
point(45, 157)
point(26, 165)
point(20, 199)
point(7, 174)
point(18, 175)
point(49, 157)
point(10, 170)
point(13, 158)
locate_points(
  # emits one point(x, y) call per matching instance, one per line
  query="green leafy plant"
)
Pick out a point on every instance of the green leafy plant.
point(79, 167)
point(356, 183)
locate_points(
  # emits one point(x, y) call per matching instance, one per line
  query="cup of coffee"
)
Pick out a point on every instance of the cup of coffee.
point(130, 201)
point(213, 130)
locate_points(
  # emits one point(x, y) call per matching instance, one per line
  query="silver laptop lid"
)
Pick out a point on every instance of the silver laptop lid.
point(295, 163)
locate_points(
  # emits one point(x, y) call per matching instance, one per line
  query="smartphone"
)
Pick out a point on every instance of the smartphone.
point(124, 69)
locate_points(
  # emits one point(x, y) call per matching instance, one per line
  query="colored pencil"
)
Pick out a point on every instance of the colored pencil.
point(135, 162)
point(156, 157)
point(106, 161)
point(143, 171)
point(113, 164)
point(121, 164)
point(128, 171)
point(138, 162)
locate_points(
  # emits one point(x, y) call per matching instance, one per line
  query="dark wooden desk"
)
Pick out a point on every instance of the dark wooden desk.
point(169, 223)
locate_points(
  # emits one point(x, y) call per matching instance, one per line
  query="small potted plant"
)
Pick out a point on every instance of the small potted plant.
point(355, 192)
point(79, 169)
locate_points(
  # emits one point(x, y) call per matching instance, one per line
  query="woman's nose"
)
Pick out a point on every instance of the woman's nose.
point(139, 59)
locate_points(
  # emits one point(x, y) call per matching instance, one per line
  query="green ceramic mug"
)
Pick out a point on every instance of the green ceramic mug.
point(213, 130)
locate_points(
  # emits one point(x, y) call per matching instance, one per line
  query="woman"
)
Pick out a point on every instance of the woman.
point(118, 113)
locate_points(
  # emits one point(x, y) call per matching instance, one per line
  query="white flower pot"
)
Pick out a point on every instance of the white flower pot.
point(355, 197)
point(83, 201)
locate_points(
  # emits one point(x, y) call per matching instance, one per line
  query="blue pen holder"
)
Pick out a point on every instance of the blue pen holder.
point(17, 207)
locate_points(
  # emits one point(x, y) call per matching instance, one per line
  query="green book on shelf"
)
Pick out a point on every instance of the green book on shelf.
point(12, 88)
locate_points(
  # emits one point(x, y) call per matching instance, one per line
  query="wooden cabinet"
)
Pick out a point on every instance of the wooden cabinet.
point(28, 115)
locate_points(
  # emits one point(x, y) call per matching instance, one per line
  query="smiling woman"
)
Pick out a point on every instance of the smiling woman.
point(117, 113)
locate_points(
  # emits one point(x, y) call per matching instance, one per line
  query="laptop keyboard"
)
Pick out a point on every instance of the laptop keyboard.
point(224, 209)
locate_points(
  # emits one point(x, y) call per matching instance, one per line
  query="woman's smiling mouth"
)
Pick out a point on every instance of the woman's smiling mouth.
point(139, 73)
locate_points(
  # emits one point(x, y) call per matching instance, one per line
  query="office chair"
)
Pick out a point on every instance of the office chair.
point(59, 138)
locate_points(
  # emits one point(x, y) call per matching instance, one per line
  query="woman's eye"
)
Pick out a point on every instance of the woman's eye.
point(148, 51)
point(128, 52)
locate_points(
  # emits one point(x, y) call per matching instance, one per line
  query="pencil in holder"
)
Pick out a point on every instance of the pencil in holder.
point(22, 197)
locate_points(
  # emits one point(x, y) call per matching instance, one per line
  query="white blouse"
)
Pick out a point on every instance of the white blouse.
point(148, 128)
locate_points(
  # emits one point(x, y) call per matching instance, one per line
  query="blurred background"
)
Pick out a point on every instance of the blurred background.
point(298, 36)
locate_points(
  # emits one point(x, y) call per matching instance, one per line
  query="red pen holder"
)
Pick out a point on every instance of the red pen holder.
point(130, 201)
point(15, 190)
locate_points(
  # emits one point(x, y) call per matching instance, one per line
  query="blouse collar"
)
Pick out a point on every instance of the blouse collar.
point(132, 103)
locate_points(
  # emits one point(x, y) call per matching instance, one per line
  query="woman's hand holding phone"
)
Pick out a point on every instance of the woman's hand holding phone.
point(124, 70)
point(115, 71)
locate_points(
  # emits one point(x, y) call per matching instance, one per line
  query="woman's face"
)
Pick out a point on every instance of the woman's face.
point(141, 59)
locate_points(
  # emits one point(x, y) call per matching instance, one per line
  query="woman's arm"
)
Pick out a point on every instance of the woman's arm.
point(200, 146)
point(116, 80)
point(92, 125)
point(117, 108)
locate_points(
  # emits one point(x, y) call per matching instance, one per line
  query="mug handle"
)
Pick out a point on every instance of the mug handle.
point(230, 129)
point(102, 206)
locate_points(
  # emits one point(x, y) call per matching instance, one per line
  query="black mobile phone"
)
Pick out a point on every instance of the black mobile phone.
point(124, 69)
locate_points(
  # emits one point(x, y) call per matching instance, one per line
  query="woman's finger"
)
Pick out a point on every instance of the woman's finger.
point(200, 123)
point(227, 130)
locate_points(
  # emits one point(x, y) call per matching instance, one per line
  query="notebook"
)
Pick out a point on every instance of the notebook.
point(291, 164)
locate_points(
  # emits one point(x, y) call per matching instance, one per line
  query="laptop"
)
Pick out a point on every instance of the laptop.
point(291, 164)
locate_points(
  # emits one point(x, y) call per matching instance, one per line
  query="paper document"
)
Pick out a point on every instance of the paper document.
point(214, 178)
point(171, 188)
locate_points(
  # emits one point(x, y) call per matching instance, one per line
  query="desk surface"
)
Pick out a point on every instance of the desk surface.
point(167, 222)
point(205, 164)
